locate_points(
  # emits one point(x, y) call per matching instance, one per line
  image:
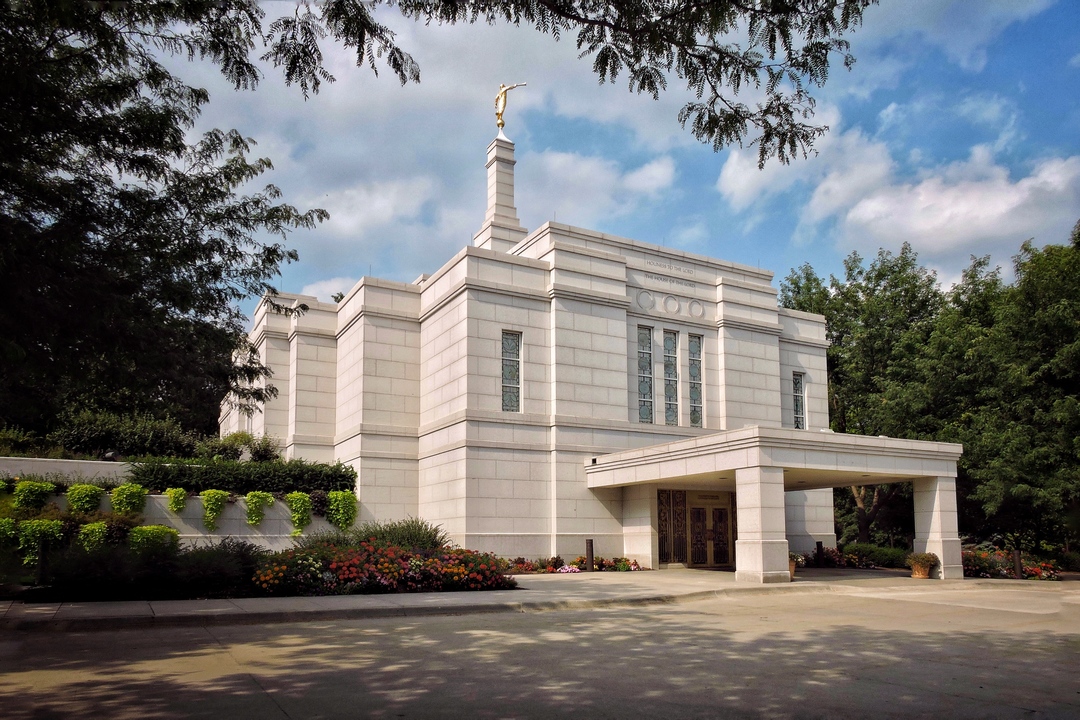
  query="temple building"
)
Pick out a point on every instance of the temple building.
point(550, 386)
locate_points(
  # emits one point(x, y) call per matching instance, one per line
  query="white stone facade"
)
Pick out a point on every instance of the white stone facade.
point(405, 382)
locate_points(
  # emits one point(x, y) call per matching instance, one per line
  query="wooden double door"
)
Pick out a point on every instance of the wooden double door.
point(696, 528)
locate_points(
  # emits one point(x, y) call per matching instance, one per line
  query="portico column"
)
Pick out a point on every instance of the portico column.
point(761, 552)
point(936, 528)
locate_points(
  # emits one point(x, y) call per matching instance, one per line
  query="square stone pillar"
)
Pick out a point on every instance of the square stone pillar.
point(761, 552)
point(936, 528)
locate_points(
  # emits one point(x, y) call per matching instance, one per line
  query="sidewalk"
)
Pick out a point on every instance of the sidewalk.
point(536, 593)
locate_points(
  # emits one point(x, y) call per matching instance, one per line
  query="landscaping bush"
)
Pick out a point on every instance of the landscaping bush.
point(146, 539)
point(240, 478)
point(20, 443)
point(411, 534)
point(8, 532)
point(36, 535)
point(1070, 561)
point(92, 535)
point(177, 499)
point(866, 555)
point(257, 502)
point(299, 510)
point(341, 509)
point(229, 447)
point(213, 505)
point(320, 502)
point(84, 498)
point(96, 433)
point(128, 499)
point(987, 561)
point(225, 569)
point(264, 449)
point(31, 494)
point(373, 568)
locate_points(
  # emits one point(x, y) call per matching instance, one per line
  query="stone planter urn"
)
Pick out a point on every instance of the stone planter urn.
point(791, 568)
point(920, 571)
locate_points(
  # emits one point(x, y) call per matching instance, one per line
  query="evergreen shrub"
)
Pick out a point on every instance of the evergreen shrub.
point(96, 433)
point(240, 478)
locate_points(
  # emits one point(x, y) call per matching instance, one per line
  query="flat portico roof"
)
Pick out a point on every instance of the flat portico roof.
point(811, 460)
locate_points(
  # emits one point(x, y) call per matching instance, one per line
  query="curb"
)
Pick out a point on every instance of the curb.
point(240, 617)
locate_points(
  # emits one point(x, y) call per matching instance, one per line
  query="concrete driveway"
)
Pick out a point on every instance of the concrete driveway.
point(872, 647)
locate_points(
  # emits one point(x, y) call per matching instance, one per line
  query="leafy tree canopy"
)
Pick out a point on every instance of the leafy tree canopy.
point(125, 245)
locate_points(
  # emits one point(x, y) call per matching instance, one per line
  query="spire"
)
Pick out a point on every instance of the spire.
point(501, 229)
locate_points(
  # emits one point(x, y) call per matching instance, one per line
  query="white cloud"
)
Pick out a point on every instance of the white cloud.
point(1074, 61)
point(970, 207)
point(324, 289)
point(962, 29)
point(585, 190)
point(651, 178)
point(357, 210)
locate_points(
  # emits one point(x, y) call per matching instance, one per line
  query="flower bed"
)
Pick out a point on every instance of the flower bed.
point(521, 566)
point(988, 562)
point(370, 568)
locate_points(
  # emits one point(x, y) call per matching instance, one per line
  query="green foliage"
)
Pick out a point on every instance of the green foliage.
point(84, 498)
point(96, 433)
point(8, 532)
point(213, 505)
point(31, 494)
point(128, 499)
point(264, 449)
point(240, 478)
point(257, 502)
point(299, 510)
point(16, 442)
point(35, 534)
point(92, 535)
point(414, 534)
point(341, 509)
point(320, 502)
point(922, 560)
point(177, 499)
point(867, 555)
point(148, 539)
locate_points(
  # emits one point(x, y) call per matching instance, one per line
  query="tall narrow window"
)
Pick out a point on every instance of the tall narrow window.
point(695, 381)
point(798, 396)
point(671, 377)
point(511, 371)
point(645, 375)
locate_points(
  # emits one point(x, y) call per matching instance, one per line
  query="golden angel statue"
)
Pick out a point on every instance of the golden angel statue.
point(500, 102)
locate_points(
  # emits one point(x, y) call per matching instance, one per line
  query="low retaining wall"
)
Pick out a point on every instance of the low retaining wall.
point(273, 533)
point(89, 469)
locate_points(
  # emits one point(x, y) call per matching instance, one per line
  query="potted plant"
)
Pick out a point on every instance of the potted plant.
point(921, 564)
point(795, 560)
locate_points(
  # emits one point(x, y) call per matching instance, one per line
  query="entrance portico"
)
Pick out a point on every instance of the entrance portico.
point(760, 464)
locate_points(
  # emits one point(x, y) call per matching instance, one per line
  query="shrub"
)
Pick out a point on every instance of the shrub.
point(926, 560)
point(866, 555)
point(410, 533)
point(257, 502)
point(177, 499)
point(16, 442)
point(320, 502)
point(341, 509)
point(37, 534)
point(224, 569)
point(1070, 561)
point(153, 539)
point(213, 505)
point(84, 498)
point(264, 449)
point(95, 433)
point(225, 448)
point(8, 534)
point(128, 499)
point(299, 510)
point(92, 535)
point(240, 478)
point(32, 495)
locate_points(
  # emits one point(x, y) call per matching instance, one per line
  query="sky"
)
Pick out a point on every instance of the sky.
point(957, 131)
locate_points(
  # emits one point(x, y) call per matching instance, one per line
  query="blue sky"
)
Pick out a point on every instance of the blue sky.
point(958, 130)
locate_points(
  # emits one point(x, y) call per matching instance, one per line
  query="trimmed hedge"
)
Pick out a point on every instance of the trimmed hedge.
point(240, 478)
point(95, 433)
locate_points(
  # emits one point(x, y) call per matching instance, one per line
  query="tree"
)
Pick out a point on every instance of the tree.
point(124, 247)
point(877, 319)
